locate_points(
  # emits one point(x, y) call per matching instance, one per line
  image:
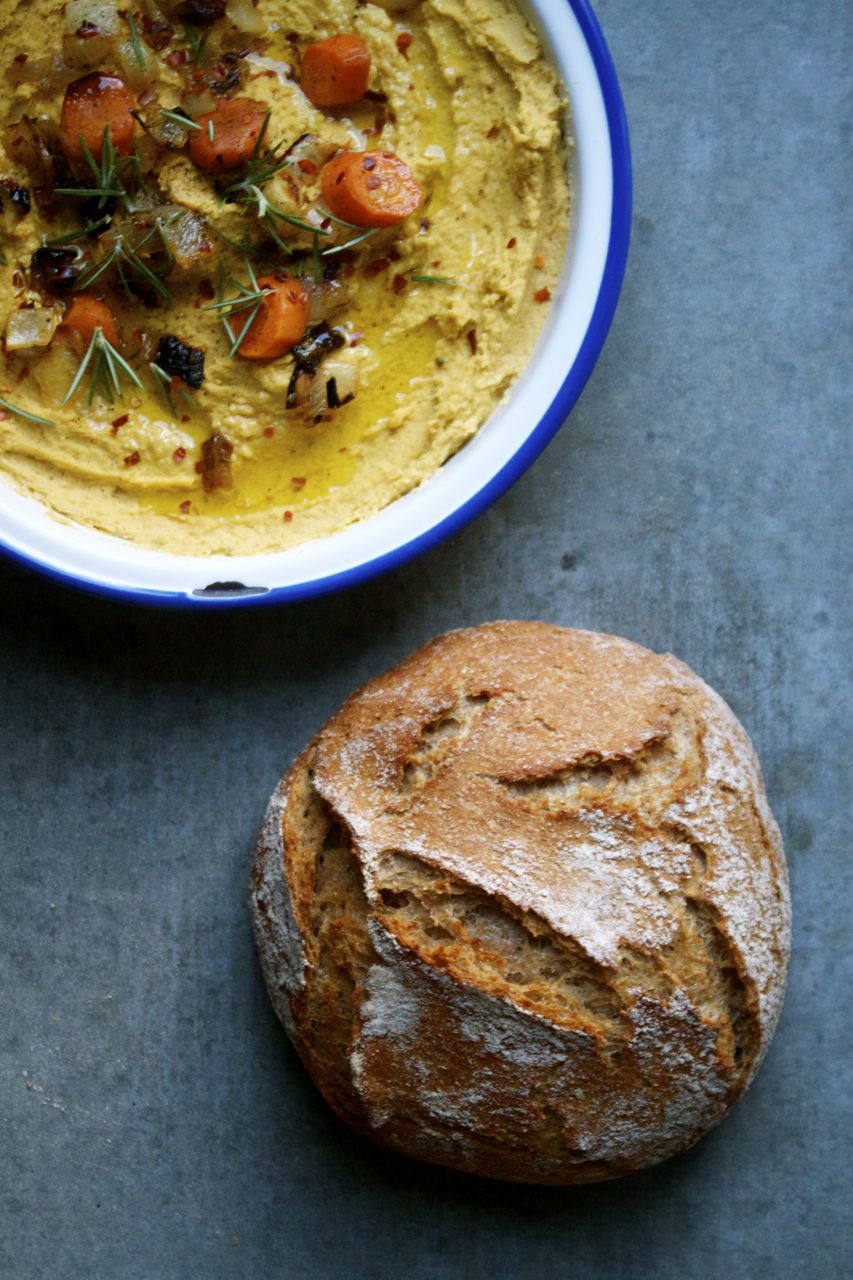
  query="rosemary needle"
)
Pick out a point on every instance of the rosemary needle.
point(25, 413)
point(134, 40)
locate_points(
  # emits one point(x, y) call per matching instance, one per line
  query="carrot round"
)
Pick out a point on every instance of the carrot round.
point(237, 124)
point(85, 315)
point(281, 321)
point(90, 104)
point(370, 188)
point(335, 71)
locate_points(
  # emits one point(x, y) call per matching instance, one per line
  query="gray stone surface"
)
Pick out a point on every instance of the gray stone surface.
point(154, 1121)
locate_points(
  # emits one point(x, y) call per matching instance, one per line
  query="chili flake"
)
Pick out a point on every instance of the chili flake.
point(512, 243)
point(180, 453)
point(185, 506)
point(118, 423)
point(542, 295)
point(298, 482)
point(400, 284)
point(287, 517)
point(471, 335)
point(132, 459)
point(269, 432)
point(404, 41)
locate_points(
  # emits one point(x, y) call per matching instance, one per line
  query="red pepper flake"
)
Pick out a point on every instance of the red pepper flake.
point(185, 506)
point(132, 459)
point(542, 295)
point(287, 517)
point(404, 43)
point(471, 335)
point(308, 166)
point(512, 243)
point(343, 449)
point(356, 339)
point(185, 417)
point(376, 267)
point(199, 467)
point(176, 58)
point(180, 453)
point(493, 132)
point(539, 260)
point(118, 423)
point(269, 432)
point(400, 284)
point(298, 482)
point(21, 58)
point(436, 262)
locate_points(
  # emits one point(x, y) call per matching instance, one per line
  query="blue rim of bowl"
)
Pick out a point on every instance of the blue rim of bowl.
point(235, 596)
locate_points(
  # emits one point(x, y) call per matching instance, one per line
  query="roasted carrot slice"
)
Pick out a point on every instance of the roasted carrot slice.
point(281, 320)
point(90, 104)
point(370, 188)
point(335, 71)
point(237, 125)
point(85, 315)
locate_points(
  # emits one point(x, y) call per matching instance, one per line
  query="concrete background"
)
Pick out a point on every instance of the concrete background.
point(154, 1121)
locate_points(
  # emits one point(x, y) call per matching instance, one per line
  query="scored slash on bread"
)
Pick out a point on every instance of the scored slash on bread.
point(522, 907)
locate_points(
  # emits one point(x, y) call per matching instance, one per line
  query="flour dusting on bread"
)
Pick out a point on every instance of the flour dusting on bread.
point(523, 908)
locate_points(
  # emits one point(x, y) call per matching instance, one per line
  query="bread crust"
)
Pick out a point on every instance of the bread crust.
point(522, 907)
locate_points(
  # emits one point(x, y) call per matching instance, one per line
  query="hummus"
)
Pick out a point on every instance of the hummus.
point(434, 317)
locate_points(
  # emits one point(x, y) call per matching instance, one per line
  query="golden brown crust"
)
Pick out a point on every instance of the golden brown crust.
point(523, 908)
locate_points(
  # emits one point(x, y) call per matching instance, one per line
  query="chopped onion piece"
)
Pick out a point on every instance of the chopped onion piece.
point(102, 14)
point(334, 384)
point(31, 327)
point(245, 16)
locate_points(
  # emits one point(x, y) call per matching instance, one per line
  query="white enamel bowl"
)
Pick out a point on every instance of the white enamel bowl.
point(532, 412)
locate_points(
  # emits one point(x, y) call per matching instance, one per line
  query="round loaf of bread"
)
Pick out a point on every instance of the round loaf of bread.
point(522, 907)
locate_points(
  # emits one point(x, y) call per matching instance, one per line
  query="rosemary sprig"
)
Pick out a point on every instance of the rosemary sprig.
point(210, 130)
point(108, 368)
point(124, 255)
point(134, 40)
point(164, 384)
point(350, 244)
point(71, 236)
point(25, 413)
point(247, 299)
point(429, 279)
point(196, 43)
point(180, 118)
point(108, 176)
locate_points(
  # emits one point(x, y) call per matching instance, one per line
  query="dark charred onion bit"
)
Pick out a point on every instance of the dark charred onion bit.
point(94, 210)
point(201, 13)
point(320, 341)
point(87, 30)
point(216, 463)
point(19, 197)
point(180, 360)
point(226, 77)
point(55, 271)
point(156, 32)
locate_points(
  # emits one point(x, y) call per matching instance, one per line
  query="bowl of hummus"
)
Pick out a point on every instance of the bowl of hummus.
point(289, 291)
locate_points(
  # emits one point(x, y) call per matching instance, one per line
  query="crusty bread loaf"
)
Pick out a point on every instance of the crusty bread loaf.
point(522, 907)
